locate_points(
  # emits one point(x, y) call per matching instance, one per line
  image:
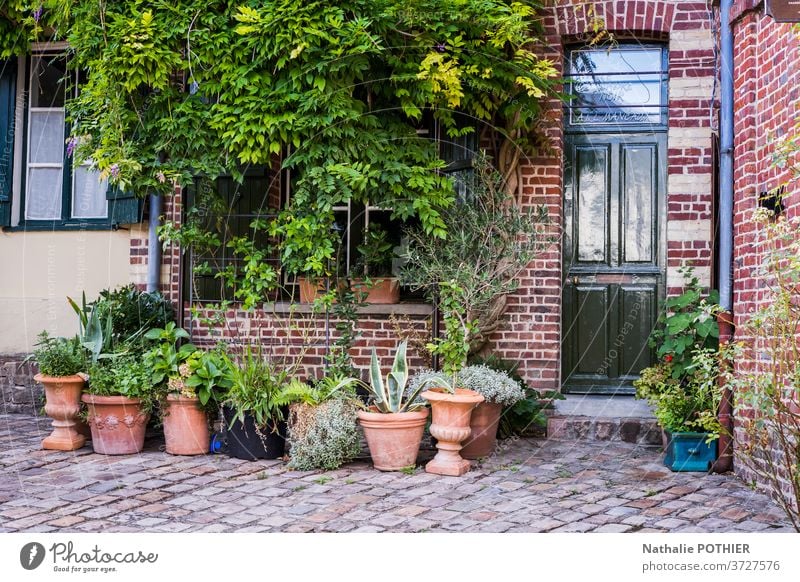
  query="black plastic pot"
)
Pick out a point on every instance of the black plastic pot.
point(245, 442)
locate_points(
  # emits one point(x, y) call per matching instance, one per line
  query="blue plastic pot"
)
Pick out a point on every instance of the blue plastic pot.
point(688, 451)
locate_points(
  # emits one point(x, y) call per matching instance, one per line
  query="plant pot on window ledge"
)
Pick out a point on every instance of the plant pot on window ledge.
point(380, 290)
point(311, 288)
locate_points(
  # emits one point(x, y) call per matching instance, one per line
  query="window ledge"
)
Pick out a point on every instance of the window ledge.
point(61, 226)
point(418, 309)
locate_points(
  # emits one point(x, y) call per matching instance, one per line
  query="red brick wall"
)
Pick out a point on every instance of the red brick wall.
point(532, 331)
point(767, 93)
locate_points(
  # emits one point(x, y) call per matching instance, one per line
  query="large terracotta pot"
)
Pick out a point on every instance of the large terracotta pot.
point(381, 291)
point(118, 424)
point(450, 426)
point(185, 426)
point(63, 404)
point(311, 288)
point(393, 438)
point(483, 431)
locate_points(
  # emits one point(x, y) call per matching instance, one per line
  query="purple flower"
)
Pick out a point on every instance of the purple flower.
point(37, 14)
point(114, 170)
point(441, 47)
point(71, 145)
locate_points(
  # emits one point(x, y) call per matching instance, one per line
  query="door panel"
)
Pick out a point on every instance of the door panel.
point(614, 210)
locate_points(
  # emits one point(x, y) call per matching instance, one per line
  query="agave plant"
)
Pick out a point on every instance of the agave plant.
point(390, 396)
point(95, 335)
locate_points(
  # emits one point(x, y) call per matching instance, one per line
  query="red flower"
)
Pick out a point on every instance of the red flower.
point(668, 358)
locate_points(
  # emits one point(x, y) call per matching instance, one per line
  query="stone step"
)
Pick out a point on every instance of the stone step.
point(603, 418)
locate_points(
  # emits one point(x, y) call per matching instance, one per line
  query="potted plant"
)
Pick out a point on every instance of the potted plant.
point(119, 399)
point(376, 280)
point(323, 427)
point(686, 408)
point(499, 390)
point(256, 407)
point(189, 382)
point(60, 360)
point(393, 420)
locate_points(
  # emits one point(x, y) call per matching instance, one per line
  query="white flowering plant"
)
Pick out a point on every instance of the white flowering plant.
point(496, 386)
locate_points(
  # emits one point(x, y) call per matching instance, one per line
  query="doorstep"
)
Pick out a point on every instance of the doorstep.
point(603, 418)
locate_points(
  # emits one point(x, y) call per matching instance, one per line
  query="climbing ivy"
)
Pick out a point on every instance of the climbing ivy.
point(181, 89)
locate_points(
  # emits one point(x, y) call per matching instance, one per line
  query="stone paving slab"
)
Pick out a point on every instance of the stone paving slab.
point(530, 485)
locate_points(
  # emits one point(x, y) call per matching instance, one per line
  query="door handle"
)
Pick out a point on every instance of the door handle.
point(575, 280)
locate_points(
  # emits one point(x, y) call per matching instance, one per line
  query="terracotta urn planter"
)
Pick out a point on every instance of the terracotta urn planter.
point(382, 291)
point(63, 404)
point(394, 438)
point(185, 426)
point(450, 426)
point(118, 424)
point(483, 426)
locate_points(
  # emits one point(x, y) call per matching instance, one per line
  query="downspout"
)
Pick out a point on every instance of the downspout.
point(724, 462)
point(153, 245)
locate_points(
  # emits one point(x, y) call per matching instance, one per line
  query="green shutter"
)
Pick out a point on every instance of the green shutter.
point(123, 207)
point(8, 79)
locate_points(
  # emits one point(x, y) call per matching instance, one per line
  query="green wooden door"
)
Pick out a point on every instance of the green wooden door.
point(614, 247)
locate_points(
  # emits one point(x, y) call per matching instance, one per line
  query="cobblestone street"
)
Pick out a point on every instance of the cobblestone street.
point(531, 486)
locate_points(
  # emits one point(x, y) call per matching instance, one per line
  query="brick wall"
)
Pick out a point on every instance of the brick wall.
point(532, 330)
point(766, 93)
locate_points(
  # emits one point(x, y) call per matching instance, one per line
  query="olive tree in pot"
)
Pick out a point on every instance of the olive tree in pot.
point(119, 399)
point(393, 420)
point(60, 360)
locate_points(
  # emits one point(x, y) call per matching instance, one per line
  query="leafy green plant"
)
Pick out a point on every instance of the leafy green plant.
point(165, 358)
point(376, 253)
point(390, 396)
point(689, 403)
point(686, 325)
point(209, 376)
point(123, 375)
point(259, 388)
point(132, 312)
point(96, 333)
point(58, 356)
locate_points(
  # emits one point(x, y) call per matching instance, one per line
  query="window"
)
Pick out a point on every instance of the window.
point(625, 86)
point(42, 187)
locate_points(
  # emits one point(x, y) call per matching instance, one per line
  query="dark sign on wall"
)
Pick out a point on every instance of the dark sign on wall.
point(784, 10)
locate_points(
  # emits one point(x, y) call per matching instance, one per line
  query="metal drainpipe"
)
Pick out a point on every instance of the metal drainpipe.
point(153, 245)
point(725, 460)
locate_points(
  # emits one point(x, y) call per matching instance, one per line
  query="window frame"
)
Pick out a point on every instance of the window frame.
point(618, 127)
point(66, 220)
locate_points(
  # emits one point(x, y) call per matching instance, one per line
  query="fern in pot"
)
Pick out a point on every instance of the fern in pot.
point(60, 360)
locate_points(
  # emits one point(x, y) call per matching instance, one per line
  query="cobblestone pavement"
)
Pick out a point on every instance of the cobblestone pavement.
point(530, 486)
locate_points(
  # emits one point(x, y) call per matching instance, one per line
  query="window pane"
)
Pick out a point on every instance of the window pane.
point(47, 137)
point(88, 194)
point(47, 81)
point(43, 197)
point(618, 86)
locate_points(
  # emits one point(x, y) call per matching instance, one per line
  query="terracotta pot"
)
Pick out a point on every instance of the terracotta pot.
point(483, 426)
point(382, 291)
point(63, 404)
point(450, 426)
point(311, 288)
point(117, 424)
point(393, 438)
point(185, 426)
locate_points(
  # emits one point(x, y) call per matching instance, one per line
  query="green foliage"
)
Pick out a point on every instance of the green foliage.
point(58, 356)
point(165, 357)
point(187, 88)
point(96, 334)
point(686, 325)
point(208, 376)
point(330, 386)
point(376, 253)
point(124, 374)
point(344, 311)
point(259, 388)
point(390, 396)
point(323, 436)
point(132, 312)
point(688, 403)
point(490, 241)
